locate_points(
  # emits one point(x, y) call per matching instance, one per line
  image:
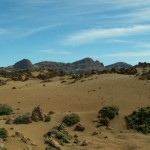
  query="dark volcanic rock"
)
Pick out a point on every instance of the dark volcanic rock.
point(23, 64)
point(119, 65)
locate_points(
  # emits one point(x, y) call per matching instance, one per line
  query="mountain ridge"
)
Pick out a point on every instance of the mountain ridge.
point(83, 65)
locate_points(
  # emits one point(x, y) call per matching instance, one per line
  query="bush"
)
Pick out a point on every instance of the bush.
point(60, 135)
point(47, 118)
point(5, 110)
point(3, 133)
point(25, 119)
point(71, 119)
point(109, 112)
point(140, 120)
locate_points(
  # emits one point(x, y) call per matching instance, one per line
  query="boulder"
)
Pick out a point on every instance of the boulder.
point(37, 114)
point(79, 127)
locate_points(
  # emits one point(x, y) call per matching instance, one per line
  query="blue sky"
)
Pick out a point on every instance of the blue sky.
point(69, 30)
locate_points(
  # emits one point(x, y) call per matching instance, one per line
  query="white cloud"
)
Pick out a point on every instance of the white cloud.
point(145, 53)
point(36, 30)
point(94, 34)
point(55, 52)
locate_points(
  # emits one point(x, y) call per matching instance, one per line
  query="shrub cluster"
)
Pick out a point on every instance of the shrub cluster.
point(3, 133)
point(71, 119)
point(5, 109)
point(140, 120)
point(60, 135)
point(106, 114)
point(109, 112)
point(25, 119)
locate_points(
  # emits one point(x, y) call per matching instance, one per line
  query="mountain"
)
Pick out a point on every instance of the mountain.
point(83, 65)
point(23, 64)
point(119, 65)
point(49, 65)
point(86, 64)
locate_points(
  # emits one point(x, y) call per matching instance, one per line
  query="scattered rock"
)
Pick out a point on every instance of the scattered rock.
point(77, 141)
point(85, 143)
point(18, 134)
point(94, 133)
point(24, 139)
point(55, 144)
point(109, 128)
point(79, 127)
point(33, 144)
point(51, 113)
point(9, 121)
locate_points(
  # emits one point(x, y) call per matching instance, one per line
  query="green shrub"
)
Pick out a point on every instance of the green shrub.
point(71, 119)
point(25, 119)
point(109, 112)
point(47, 118)
point(140, 120)
point(5, 110)
point(103, 122)
point(60, 135)
point(3, 133)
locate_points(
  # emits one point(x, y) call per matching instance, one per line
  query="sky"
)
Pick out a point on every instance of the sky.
point(68, 30)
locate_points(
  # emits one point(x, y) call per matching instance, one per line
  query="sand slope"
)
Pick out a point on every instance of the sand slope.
point(85, 98)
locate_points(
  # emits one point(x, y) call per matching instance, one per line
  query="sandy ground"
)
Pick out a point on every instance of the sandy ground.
point(85, 99)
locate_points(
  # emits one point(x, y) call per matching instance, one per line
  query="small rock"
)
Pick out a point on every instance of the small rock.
point(55, 144)
point(33, 144)
point(9, 121)
point(94, 133)
point(109, 128)
point(77, 141)
point(24, 139)
point(18, 134)
point(51, 113)
point(79, 127)
point(76, 136)
point(84, 143)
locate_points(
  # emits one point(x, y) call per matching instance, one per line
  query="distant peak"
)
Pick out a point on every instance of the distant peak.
point(23, 64)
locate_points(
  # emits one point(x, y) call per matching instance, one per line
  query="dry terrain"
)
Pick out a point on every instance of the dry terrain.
point(84, 98)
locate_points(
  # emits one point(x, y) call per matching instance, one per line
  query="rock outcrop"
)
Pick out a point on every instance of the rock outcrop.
point(23, 64)
point(37, 114)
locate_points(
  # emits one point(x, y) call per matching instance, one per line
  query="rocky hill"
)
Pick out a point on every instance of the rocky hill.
point(86, 64)
point(23, 64)
point(119, 65)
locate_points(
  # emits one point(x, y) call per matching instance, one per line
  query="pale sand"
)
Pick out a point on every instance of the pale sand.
point(128, 93)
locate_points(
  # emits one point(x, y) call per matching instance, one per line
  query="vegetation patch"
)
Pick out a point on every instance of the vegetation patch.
point(5, 110)
point(106, 114)
point(47, 118)
point(57, 134)
point(71, 119)
point(25, 119)
point(140, 120)
point(3, 133)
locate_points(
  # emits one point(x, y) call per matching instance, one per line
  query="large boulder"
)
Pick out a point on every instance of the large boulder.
point(37, 114)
